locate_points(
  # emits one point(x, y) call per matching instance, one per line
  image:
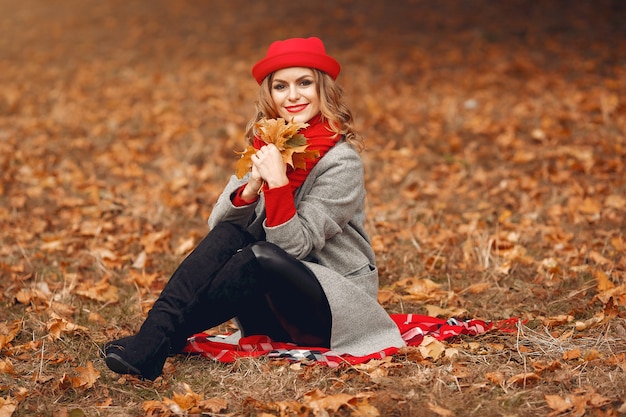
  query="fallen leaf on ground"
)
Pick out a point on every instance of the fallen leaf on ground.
point(440, 411)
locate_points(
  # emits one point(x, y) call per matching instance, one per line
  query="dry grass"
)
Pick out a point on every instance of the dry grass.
point(483, 380)
point(495, 158)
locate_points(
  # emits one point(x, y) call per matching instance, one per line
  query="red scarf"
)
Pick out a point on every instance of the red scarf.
point(320, 138)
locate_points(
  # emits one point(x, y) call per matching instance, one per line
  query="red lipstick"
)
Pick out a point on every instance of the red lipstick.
point(296, 109)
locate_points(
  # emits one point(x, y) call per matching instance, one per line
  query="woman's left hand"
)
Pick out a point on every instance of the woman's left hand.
point(270, 165)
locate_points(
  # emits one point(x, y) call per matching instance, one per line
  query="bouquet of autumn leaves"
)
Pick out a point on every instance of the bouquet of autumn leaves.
point(284, 135)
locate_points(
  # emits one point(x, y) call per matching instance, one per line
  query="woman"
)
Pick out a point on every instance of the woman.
point(287, 255)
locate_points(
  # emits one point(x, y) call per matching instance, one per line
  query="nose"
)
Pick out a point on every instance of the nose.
point(294, 94)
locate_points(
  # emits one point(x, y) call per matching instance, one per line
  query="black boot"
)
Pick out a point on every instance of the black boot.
point(143, 354)
point(227, 276)
point(169, 322)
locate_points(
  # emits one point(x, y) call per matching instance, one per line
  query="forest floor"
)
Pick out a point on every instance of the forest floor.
point(496, 145)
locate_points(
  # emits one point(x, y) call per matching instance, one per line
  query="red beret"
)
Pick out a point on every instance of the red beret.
point(296, 52)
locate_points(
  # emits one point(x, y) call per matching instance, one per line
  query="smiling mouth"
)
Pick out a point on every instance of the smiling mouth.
point(296, 109)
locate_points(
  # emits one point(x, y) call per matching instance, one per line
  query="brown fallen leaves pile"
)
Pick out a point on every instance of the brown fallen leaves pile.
point(496, 145)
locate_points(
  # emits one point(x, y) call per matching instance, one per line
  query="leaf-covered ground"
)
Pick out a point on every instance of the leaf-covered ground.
point(495, 167)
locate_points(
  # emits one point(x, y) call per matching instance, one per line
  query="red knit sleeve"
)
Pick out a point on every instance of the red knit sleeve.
point(238, 201)
point(279, 205)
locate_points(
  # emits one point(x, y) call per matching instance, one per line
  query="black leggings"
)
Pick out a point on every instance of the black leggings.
point(269, 292)
point(293, 307)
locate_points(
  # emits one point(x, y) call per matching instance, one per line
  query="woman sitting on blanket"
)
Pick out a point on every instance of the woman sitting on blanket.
point(287, 255)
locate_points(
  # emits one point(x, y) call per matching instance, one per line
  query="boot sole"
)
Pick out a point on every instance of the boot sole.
point(119, 365)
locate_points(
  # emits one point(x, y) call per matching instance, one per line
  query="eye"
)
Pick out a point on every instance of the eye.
point(278, 86)
point(306, 82)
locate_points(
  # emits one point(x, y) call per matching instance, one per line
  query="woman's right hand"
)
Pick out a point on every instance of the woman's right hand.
point(268, 167)
point(271, 166)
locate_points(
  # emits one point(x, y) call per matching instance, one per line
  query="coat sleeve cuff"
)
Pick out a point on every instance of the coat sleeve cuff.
point(279, 205)
point(238, 201)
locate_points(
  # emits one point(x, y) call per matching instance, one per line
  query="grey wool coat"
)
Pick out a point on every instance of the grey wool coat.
point(328, 235)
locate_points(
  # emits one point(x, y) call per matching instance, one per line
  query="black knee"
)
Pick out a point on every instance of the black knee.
point(286, 272)
point(274, 259)
point(269, 254)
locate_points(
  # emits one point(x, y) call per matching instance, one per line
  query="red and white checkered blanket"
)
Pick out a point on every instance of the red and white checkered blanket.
point(412, 327)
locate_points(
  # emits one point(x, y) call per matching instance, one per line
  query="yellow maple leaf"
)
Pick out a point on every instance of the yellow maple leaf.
point(185, 398)
point(296, 156)
point(7, 406)
point(100, 291)
point(278, 131)
point(440, 411)
point(6, 367)
point(87, 376)
point(558, 403)
point(299, 158)
point(318, 400)
point(244, 164)
point(431, 348)
point(8, 332)
point(58, 325)
point(284, 135)
point(214, 405)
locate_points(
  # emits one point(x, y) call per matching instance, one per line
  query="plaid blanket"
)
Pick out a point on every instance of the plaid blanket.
point(412, 327)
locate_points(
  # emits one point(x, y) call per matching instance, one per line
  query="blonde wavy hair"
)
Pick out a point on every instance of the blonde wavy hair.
point(332, 107)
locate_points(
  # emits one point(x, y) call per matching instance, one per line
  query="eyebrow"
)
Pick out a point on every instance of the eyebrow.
point(297, 79)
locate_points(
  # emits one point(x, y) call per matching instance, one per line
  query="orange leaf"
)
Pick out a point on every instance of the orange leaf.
point(618, 243)
point(478, 288)
point(8, 332)
point(185, 246)
point(101, 291)
point(540, 366)
point(572, 354)
point(155, 408)
point(440, 411)
point(244, 164)
point(59, 325)
point(6, 367)
point(141, 278)
point(7, 406)
point(284, 135)
point(596, 400)
point(106, 403)
point(431, 348)
point(611, 310)
point(590, 206)
point(186, 400)
point(213, 405)
point(299, 159)
point(523, 379)
point(598, 258)
point(436, 311)
point(422, 289)
point(156, 242)
point(386, 296)
point(317, 400)
point(278, 131)
point(558, 403)
point(604, 283)
point(496, 378)
point(615, 201)
point(87, 376)
point(593, 354)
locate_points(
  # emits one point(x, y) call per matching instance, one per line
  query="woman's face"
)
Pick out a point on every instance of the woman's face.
point(294, 94)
